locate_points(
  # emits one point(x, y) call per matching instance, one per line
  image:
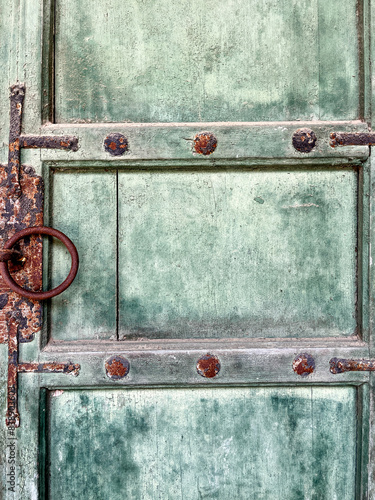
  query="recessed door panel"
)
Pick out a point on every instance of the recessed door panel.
point(226, 60)
point(207, 254)
point(282, 443)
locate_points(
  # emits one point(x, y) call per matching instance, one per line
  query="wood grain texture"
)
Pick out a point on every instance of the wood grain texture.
point(188, 61)
point(237, 253)
point(217, 61)
point(204, 443)
point(83, 206)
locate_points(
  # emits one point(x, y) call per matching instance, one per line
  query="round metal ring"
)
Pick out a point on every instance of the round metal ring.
point(50, 293)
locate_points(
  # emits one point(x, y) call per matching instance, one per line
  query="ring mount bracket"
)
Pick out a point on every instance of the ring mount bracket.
point(17, 214)
point(15, 287)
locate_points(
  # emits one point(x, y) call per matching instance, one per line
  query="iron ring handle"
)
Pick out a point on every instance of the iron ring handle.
point(4, 271)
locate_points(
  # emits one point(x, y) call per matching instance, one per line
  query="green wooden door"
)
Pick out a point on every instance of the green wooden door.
point(207, 281)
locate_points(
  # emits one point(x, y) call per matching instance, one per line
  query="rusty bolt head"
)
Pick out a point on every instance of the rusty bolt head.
point(208, 366)
point(205, 143)
point(116, 144)
point(117, 367)
point(17, 91)
point(304, 140)
point(304, 364)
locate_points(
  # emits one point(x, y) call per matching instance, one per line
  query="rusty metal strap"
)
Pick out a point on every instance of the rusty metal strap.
point(338, 365)
point(18, 141)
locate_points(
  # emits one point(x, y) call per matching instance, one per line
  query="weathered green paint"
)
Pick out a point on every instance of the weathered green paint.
point(282, 443)
point(83, 206)
point(238, 143)
point(251, 253)
point(242, 62)
point(207, 254)
point(218, 61)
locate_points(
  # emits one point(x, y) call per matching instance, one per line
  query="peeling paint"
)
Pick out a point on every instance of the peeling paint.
point(17, 214)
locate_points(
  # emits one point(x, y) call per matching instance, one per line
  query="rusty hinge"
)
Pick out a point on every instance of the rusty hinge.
point(352, 139)
point(15, 367)
point(18, 141)
point(21, 204)
point(338, 365)
point(304, 139)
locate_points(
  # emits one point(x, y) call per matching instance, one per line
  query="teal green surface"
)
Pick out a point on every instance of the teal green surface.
point(226, 60)
point(281, 443)
point(83, 206)
point(237, 253)
point(230, 253)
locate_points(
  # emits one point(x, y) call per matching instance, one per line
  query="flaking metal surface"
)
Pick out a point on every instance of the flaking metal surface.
point(17, 213)
point(304, 140)
point(21, 205)
point(352, 139)
point(116, 144)
point(208, 366)
point(66, 142)
point(205, 143)
point(17, 95)
point(36, 230)
point(338, 365)
point(117, 367)
point(304, 364)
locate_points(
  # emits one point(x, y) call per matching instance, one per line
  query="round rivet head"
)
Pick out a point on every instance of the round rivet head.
point(208, 366)
point(116, 144)
point(117, 367)
point(304, 140)
point(205, 143)
point(304, 364)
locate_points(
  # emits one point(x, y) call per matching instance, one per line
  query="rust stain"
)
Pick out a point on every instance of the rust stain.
point(304, 364)
point(338, 365)
point(116, 144)
point(304, 140)
point(208, 366)
point(17, 214)
point(205, 143)
point(117, 367)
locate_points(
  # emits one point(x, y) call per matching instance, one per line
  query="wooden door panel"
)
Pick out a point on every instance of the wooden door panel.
point(206, 254)
point(237, 253)
point(203, 443)
point(84, 206)
point(257, 254)
point(159, 61)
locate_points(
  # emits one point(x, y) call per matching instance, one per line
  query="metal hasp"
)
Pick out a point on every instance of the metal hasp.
point(352, 139)
point(18, 141)
point(351, 365)
point(15, 367)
